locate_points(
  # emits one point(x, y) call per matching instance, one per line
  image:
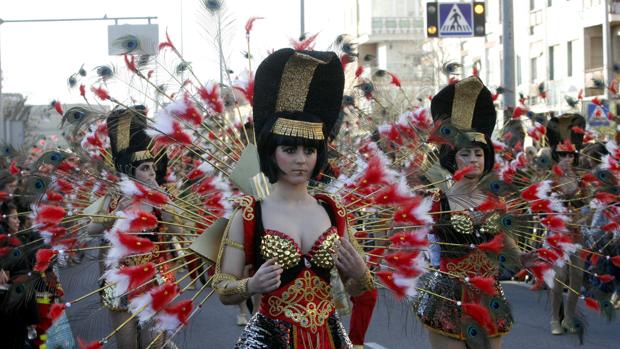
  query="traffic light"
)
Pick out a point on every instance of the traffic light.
point(479, 19)
point(432, 31)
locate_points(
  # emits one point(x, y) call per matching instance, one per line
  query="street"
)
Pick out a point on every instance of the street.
point(393, 324)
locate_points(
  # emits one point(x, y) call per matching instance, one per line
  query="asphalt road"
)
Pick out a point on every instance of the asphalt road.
point(393, 325)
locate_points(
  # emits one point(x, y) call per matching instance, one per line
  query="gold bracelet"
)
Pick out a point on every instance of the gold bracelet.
point(229, 285)
point(367, 282)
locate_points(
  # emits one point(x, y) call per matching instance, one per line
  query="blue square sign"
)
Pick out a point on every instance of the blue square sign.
point(456, 20)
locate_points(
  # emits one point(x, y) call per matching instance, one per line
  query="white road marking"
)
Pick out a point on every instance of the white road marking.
point(372, 345)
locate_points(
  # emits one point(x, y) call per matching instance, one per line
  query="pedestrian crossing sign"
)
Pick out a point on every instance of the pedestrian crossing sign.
point(456, 20)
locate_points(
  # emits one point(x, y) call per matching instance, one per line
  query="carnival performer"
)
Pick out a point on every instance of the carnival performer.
point(132, 157)
point(460, 229)
point(291, 238)
point(565, 145)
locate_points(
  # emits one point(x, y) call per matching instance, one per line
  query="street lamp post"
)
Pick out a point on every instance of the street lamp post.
point(4, 135)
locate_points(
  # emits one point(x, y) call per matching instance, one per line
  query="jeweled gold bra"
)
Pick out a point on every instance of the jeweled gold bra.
point(288, 254)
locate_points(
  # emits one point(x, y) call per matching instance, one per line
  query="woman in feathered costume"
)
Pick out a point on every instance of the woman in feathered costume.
point(138, 167)
point(291, 238)
point(454, 305)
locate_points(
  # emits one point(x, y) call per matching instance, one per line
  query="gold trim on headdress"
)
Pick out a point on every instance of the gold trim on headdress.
point(142, 155)
point(295, 82)
point(297, 128)
point(465, 96)
point(123, 127)
point(476, 137)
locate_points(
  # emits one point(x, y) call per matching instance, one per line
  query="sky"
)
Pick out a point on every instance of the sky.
point(37, 58)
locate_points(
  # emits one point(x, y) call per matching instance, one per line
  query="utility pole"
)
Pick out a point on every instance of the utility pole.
point(508, 70)
point(302, 20)
point(607, 50)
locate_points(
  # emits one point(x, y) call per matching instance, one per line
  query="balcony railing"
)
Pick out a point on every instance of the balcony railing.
point(397, 25)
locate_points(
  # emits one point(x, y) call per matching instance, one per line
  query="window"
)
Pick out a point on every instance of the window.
point(569, 58)
point(532, 4)
point(549, 3)
point(519, 79)
point(533, 69)
point(551, 63)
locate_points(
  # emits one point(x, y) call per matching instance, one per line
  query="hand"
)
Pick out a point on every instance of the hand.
point(4, 277)
point(348, 261)
point(266, 278)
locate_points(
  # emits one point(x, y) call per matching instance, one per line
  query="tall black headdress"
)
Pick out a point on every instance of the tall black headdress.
point(561, 133)
point(468, 106)
point(129, 142)
point(294, 89)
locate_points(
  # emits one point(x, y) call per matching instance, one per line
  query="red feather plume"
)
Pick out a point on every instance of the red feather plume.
point(13, 169)
point(50, 215)
point(395, 80)
point(408, 239)
point(139, 274)
point(375, 254)
point(43, 258)
point(480, 314)
point(593, 304)
point(387, 278)
point(605, 278)
point(100, 92)
point(558, 171)
point(142, 221)
point(460, 174)
point(181, 310)
point(486, 285)
point(135, 244)
point(493, 246)
point(359, 71)
point(92, 345)
point(163, 295)
point(491, 203)
point(250, 24)
point(56, 310)
point(615, 260)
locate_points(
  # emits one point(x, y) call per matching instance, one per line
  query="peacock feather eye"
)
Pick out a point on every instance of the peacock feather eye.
point(39, 184)
point(507, 221)
point(72, 81)
point(501, 258)
point(104, 72)
point(472, 331)
point(367, 87)
point(127, 43)
point(494, 304)
point(446, 130)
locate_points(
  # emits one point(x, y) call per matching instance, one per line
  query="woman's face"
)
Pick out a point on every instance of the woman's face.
point(474, 157)
point(296, 163)
point(145, 173)
point(13, 221)
point(10, 187)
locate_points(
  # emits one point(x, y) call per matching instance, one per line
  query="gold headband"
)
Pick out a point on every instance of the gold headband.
point(296, 128)
point(142, 155)
point(476, 137)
